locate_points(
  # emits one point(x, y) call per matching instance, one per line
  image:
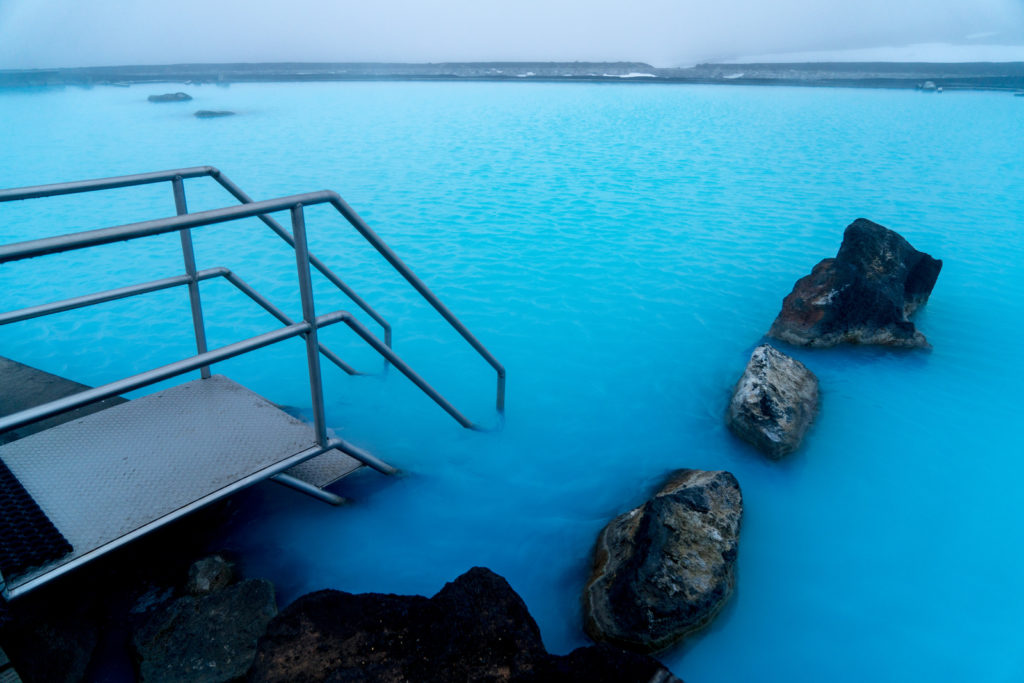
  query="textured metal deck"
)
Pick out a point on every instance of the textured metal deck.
point(325, 469)
point(26, 387)
point(101, 477)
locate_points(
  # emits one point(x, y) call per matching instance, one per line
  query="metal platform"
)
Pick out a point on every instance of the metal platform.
point(105, 478)
point(108, 477)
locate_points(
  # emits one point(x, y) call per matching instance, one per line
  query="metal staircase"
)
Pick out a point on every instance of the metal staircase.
point(114, 475)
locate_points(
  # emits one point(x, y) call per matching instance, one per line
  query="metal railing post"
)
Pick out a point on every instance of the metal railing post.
point(309, 315)
point(190, 269)
point(237, 192)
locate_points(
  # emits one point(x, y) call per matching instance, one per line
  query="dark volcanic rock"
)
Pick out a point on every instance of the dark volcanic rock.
point(206, 639)
point(209, 574)
point(51, 645)
point(863, 295)
point(663, 570)
point(211, 114)
point(171, 97)
point(475, 629)
point(601, 663)
point(774, 402)
point(71, 629)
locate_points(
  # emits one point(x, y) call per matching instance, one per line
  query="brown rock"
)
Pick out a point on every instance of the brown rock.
point(774, 402)
point(207, 639)
point(663, 570)
point(209, 574)
point(863, 295)
point(475, 629)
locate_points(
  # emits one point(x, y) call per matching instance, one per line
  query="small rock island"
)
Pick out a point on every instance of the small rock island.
point(664, 570)
point(170, 97)
point(863, 295)
point(774, 402)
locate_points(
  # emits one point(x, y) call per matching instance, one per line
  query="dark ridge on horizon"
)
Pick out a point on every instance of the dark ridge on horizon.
point(953, 75)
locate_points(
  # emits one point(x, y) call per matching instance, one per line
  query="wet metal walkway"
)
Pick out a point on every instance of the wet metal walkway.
point(111, 476)
point(86, 469)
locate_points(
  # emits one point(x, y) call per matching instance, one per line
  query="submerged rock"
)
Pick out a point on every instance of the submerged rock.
point(171, 97)
point(863, 295)
point(663, 570)
point(206, 639)
point(774, 402)
point(211, 114)
point(209, 574)
point(475, 629)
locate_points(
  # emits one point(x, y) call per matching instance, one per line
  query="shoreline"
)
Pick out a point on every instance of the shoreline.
point(994, 76)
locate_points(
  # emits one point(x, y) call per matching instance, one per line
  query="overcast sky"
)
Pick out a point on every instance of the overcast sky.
point(49, 33)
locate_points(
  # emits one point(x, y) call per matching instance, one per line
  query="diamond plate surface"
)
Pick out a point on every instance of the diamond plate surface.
point(325, 469)
point(102, 476)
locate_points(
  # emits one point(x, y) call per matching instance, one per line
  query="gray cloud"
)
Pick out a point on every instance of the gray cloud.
point(46, 33)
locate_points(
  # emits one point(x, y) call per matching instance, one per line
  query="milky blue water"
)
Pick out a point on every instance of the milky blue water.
point(621, 249)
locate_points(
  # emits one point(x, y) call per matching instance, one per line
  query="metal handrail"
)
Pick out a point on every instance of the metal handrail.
point(176, 175)
point(168, 371)
point(333, 198)
point(77, 302)
point(57, 189)
point(295, 204)
point(160, 226)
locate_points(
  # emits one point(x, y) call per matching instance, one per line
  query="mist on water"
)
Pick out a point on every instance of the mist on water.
point(61, 33)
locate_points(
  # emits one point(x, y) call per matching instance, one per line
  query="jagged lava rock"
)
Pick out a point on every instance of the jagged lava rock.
point(206, 639)
point(774, 402)
point(170, 97)
point(863, 295)
point(601, 663)
point(663, 570)
point(209, 574)
point(50, 642)
point(475, 629)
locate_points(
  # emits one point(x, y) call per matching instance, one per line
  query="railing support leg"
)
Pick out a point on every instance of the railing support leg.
point(190, 270)
point(309, 315)
point(307, 488)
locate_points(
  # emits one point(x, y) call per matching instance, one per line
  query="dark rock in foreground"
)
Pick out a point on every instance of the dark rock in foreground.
point(601, 663)
point(863, 295)
point(206, 639)
point(209, 574)
point(55, 645)
point(774, 402)
point(475, 629)
point(171, 97)
point(663, 570)
point(211, 114)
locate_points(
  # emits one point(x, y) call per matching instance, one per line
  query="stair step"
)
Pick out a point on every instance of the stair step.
point(325, 469)
point(110, 475)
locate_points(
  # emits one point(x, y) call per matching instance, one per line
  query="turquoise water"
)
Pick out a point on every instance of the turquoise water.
point(621, 249)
